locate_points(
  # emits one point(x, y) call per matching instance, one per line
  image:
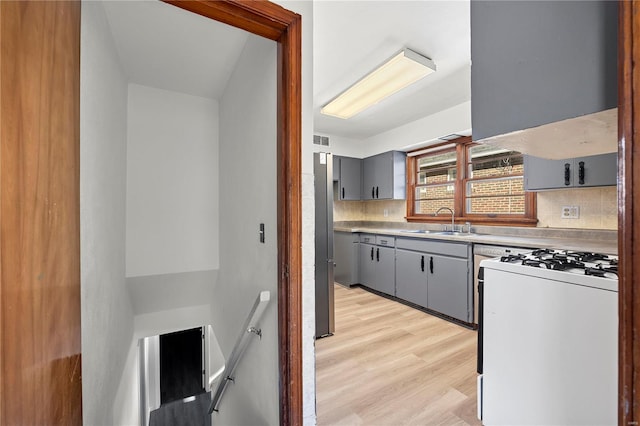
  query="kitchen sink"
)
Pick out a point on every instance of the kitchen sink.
point(454, 233)
point(434, 232)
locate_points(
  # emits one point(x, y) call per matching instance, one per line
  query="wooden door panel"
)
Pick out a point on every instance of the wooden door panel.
point(39, 213)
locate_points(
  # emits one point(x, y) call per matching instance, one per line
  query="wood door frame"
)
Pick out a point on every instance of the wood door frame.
point(275, 23)
point(629, 213)
point(272, 21)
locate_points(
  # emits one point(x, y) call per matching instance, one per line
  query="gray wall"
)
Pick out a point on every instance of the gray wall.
point(537, 62)
point(107, 319)
point(248, 198)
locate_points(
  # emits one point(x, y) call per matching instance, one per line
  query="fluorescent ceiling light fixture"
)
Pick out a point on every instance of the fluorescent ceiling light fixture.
point(405, 68)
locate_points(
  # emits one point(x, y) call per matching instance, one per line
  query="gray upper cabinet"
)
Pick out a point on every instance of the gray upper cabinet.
point(384, 176)
point(597, 170)
point(349, 177)
point(538, 62)
point(336, 168)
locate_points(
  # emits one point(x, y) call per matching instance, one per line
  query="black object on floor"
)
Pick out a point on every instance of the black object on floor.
point(179, 413)
point(180, 365)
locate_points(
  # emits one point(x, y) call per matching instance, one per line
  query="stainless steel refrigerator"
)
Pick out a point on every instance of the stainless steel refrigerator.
point(323, 179)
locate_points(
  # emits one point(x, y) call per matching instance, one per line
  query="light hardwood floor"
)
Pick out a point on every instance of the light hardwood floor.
point(390, 364)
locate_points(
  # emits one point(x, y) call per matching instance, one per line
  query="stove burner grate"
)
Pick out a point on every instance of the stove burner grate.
point(512, 258)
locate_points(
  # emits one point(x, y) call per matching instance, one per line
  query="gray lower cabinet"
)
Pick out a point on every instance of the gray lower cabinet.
point(436, 275)
point(385, 270)
point(595, 170)
point(448, 286)
point(377, 263)
point(366, 264)
point(345, 256)
point(411, 277)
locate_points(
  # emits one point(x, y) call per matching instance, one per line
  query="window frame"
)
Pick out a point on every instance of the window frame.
point(461, 145)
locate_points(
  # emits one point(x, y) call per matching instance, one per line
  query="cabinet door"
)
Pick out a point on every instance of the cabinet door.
point(411, 276)
point(336, 168)
point(384, 279)
point(345, 257)
point(369, 178)
point(350, 178)
point(366, 264)
point(383, 170)
point(527, 57)
point(447, 285)
point(596, 170)
point(541, 173)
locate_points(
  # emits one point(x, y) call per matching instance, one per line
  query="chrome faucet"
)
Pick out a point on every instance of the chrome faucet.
point(452, 215)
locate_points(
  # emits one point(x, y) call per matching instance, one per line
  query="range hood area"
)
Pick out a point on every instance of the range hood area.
point(590, 134)
point(544, 76)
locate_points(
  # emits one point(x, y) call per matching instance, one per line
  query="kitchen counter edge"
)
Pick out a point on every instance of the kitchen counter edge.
point(596, 246)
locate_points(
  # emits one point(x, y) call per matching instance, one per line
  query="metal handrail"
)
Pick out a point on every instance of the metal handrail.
point(250, 327)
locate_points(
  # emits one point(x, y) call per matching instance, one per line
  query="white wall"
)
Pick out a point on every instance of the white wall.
point(172, 182)
point(107, 319)
point(248, 198)
point(339, 145)
point(406, 137)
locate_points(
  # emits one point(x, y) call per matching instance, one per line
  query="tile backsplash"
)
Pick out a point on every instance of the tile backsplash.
point(598, 209)
point(378, 210)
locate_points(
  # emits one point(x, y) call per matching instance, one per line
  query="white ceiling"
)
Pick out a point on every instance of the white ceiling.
point(169, 48)
point(166, 47)
point(351, 38)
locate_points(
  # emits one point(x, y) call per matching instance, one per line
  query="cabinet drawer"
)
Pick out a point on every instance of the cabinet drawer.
point(385, 240)
point(368, 238)
point(433, 246)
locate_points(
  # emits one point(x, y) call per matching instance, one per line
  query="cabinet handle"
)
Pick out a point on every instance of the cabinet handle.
point(373, 192)
point(377, 192)
point(581, 173)
point(378, 255)
point(422, 263)
point(567, 174)
point(342, 192)
point(383, 242)
point(431, 264)
point(371, 253)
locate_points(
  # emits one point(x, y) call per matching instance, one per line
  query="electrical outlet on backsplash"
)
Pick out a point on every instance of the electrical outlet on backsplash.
point(598, 208)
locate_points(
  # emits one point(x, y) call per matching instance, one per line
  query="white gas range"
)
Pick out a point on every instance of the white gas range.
point(548, 339)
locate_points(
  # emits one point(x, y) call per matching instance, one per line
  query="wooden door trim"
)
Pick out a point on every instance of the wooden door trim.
point(272, 21)
point(628, 214)
point(40, 306)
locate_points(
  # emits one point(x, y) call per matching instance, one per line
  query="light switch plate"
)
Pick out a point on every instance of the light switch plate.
point(570, 212)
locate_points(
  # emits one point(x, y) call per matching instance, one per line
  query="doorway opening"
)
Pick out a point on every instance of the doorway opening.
point(181, 365)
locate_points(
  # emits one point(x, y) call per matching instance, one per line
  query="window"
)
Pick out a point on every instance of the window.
point(481, 183)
